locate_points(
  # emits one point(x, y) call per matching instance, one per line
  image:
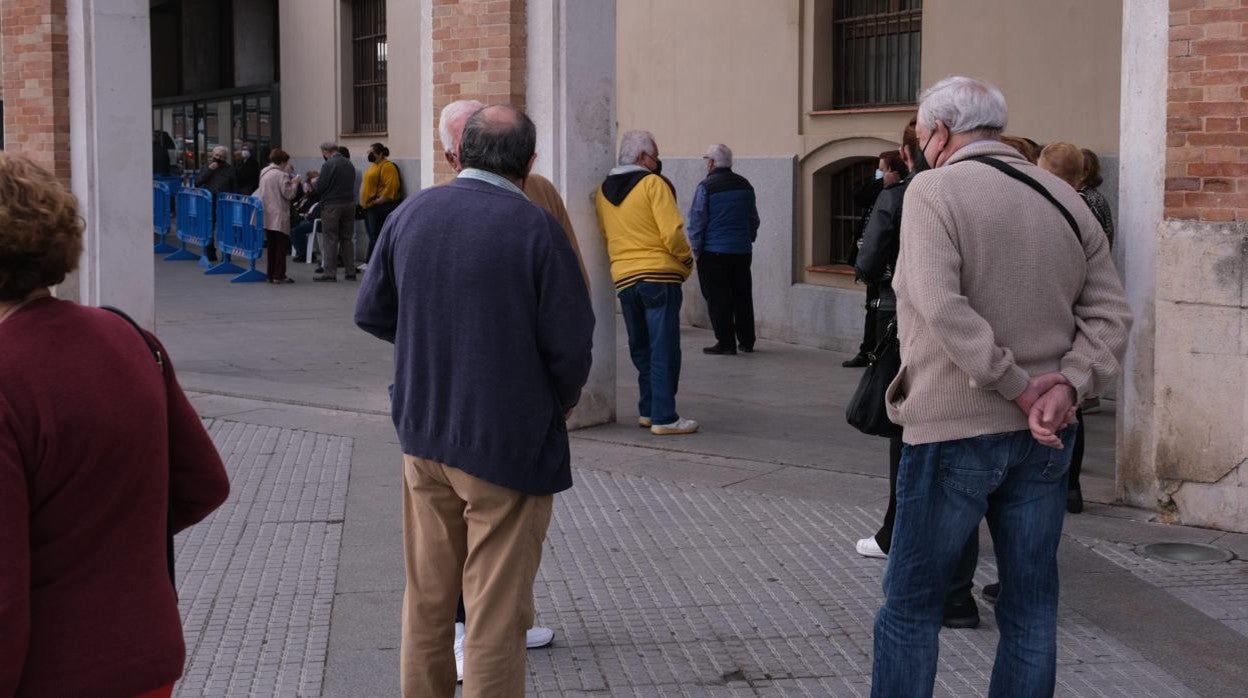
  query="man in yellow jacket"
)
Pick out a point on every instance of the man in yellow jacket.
point(650, 259)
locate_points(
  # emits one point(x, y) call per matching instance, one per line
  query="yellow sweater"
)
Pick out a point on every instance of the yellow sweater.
point(645, 235)
point(380, 179)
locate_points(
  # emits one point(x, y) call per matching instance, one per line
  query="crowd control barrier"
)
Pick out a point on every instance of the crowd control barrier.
point(162, 217)
point(194, 216)
point(240, 232)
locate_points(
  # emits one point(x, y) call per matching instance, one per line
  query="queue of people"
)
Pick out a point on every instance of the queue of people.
point(992, 273)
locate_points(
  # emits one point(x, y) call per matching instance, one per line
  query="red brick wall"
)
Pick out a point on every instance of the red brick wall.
point(478, 53)
point(1207, 111)
point(35, 75)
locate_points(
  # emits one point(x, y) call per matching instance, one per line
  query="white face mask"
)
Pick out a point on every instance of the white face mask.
point(879, 174)
point(246, 154)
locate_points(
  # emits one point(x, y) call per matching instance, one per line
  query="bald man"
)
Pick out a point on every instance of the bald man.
point(540, 190)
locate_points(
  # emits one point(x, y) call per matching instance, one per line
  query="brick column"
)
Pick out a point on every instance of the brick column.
point(478, 53)
point(35, 77)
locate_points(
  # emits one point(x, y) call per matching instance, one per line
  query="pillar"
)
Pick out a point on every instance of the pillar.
point(571, 98)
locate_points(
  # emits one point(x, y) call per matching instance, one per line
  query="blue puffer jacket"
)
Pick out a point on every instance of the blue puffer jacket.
point(723, 217)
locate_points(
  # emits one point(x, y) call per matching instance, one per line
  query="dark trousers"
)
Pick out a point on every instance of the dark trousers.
point(651, 313)
point(299, 237)
point(276, 249)
point(1076, 458)
point(729, 293)
point(871, 324)
point(338, 238)
point(374, 217)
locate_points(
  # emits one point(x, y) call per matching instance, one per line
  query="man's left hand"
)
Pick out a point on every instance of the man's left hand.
point(1048, 415)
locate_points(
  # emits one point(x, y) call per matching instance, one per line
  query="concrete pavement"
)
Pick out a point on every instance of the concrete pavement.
point(715, 564)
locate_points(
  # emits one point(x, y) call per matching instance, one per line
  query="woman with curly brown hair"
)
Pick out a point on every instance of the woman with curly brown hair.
point(89, 493)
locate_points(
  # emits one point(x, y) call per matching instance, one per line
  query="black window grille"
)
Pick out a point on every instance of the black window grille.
point(876, 49)
point(846, 216)
point(368, 61)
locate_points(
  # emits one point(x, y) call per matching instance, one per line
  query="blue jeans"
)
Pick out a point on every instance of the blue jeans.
point(943, 490)
point(299, 238)
point(652, 316)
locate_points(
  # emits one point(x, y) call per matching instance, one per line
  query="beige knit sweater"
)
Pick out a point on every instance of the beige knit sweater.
point(993, 288)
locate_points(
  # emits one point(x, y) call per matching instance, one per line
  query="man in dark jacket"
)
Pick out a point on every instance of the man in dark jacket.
point(218, 177)
point(335, 188)
point(723, 224)
point(483, 297)
point(248, 171)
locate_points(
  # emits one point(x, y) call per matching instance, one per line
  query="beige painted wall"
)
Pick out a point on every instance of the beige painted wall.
point(312, 77)
point(1057, 61)
point(696, 72)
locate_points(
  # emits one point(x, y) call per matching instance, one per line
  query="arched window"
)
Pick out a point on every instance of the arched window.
point(844, 179)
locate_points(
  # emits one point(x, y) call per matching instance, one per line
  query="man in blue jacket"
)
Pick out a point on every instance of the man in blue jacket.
point(723, 224)
point(483, 298)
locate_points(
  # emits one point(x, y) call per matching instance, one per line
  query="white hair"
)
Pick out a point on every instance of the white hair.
point(964, 105)
point(633, 144)
point(329, 147)
point(459, 110)
point(220, 151)
point(720, 154)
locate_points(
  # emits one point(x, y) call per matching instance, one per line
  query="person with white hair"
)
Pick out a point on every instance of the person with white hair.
point(650, 259)
point(723, 224)
point(335, 188)
point(219, 177)
point(1010, 311)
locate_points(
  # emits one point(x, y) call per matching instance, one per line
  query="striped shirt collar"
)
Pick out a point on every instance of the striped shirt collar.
point(490, 178)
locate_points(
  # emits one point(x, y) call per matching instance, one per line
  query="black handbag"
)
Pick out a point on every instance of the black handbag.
point(867, 410)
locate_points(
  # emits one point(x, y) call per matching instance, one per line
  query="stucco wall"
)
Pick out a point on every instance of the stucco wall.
point(315, 82)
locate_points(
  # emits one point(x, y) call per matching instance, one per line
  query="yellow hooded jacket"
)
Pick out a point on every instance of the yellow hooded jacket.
point(644, 229)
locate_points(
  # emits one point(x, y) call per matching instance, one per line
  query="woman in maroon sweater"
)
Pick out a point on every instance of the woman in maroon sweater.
point(101, 455)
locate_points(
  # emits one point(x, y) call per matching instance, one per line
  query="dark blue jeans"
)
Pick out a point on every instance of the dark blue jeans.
point(299, 238)
point(943, 491)
point(652, 316)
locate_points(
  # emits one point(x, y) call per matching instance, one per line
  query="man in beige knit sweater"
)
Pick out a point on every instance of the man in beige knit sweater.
point(1008, 317)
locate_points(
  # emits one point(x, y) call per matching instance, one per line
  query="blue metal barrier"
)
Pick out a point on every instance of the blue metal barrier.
point(240, 232)
point(194, 209)
point(162, 210)
point(174, 182)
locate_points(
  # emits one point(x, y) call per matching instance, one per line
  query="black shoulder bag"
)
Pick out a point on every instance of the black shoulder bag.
point(159, 356)
point(867, 410)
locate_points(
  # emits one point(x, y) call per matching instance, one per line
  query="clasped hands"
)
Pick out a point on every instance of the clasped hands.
point(1049, 403)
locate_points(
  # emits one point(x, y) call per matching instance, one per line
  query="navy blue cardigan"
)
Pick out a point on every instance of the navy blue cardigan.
point(483, 298)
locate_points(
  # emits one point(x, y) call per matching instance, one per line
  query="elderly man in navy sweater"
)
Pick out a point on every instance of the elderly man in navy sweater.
point(483, 297)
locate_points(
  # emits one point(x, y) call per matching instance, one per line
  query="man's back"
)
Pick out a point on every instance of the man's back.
point(493, 332)
point(644, 229)
point(731, 214)
point(336, 183)
point(991, 282)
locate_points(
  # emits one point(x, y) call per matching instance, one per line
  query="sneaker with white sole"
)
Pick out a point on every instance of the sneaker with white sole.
point(867, 547)
point(537, 636)
point(680, 426)
point(459, 652)
point(644, 422)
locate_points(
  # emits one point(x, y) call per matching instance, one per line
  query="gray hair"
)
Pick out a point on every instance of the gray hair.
point(221, 152)
point(329, 146)
point(459, 110)
point(964, 105)
point(719, 154)
point(633, 144)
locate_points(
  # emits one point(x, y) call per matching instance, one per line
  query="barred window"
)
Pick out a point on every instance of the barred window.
point(876, 49)
point(368, 65)
point(847, 217)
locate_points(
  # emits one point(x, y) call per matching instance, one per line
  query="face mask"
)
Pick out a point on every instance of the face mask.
point(246, 154)
point(372, 158)
point(921, 163)
point(658, 166)
point(879, 174)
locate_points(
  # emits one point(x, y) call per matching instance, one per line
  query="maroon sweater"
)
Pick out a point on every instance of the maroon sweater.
point(89, 454)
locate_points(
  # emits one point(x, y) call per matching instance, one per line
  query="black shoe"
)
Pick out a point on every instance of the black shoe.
point(857, 362)
point(297, 260)
point(325, 277)
point(350, 277)
point(1074, 500)
point(748, 349)
point(717, 349)
point(990, 592)
point(962, 614)
point(319, 270)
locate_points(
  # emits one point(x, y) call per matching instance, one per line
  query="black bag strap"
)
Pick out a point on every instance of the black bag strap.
point(890, 336)
point(1014, 173)
point(160, 362)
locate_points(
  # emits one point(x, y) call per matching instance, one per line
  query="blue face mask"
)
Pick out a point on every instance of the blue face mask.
point(879, 174)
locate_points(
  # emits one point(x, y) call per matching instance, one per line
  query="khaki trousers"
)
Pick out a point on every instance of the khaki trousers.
point(462, 532)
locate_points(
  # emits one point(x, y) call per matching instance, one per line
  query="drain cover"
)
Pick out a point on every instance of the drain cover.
point(1187, 552)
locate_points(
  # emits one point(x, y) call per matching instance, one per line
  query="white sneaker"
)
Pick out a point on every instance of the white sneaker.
point(361, 266)
point(680, 426)
point(867, 547)
point(537, 636)
point(459, 652)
